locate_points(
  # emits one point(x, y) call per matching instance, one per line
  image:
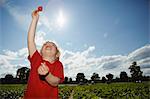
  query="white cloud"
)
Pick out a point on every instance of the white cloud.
point(23, 52)
point(144, 63)
point(140, 53)
point(6, 66)
point(10, 53)
point(75, 62)
point(83, 61)
point(15, 55)
point(7, 60)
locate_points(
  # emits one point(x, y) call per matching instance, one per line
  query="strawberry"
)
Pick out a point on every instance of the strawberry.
point(40, 8)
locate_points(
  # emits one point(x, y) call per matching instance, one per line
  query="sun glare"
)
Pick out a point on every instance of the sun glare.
point(61, 19)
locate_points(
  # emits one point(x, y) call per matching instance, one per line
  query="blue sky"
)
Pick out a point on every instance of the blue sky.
point(106, 28)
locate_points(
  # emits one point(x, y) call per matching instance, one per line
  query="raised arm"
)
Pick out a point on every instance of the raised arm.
point(31, 33)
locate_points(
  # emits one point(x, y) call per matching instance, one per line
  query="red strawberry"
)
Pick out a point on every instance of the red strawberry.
point(40, 8)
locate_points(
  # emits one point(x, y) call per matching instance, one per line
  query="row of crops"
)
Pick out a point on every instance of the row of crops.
point(97, 91)
point(107, 91)
point(11, 91)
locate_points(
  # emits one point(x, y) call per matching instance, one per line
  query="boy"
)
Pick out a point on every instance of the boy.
point(46, 69)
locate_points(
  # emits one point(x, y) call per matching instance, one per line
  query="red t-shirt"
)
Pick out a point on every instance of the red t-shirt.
point(40, 89)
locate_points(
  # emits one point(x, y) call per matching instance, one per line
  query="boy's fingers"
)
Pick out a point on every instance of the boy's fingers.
point(42, 64)
point(42, 68)
point(35, 12)
point(39, 70)
point(47, 68)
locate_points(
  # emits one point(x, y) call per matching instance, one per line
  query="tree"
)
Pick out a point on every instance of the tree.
point(66, 79)
point(23, 73)
point(8, 78)
point(103, 79)
point(70, 79)
point(80, 77)
point(136, 73)
point(95, 77)
point(123, 76)
point(117, 79)
point(109, 77)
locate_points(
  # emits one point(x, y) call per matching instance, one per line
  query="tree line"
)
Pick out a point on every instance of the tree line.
point(135, 70)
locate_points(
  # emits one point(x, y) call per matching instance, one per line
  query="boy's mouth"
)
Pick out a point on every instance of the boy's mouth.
point(48, 47)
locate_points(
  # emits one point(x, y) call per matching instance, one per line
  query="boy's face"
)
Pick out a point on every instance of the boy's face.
point(49, 49)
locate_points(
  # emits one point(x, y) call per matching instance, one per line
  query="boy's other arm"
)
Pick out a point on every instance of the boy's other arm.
point(31, 33)
point(53, 80)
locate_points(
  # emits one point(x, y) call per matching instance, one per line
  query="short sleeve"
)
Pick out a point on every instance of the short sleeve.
point(59, 72)
point(35, 59)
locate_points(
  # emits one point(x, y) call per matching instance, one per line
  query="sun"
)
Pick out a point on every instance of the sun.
point(61, 19)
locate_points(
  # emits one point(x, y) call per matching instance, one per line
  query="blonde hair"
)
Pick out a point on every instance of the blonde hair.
point(58, 53)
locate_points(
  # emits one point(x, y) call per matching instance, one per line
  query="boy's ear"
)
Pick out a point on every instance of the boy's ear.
point(58, 54)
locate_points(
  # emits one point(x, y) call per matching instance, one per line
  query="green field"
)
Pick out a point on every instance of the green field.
point(97, 91)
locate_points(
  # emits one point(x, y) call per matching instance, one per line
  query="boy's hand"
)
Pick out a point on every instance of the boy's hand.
point(35, 15)
point(43, 69)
